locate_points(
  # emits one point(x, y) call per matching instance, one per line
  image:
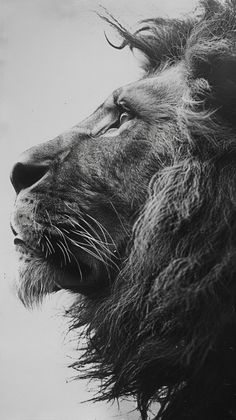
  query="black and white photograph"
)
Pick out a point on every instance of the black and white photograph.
point(118, 210)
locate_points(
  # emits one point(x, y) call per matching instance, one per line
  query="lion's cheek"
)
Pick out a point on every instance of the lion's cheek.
point(87, 279)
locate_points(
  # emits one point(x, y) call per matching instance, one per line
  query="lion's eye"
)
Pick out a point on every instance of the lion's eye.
point(124, 117)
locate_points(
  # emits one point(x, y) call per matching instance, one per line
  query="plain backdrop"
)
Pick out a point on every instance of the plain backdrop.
point(55, 69)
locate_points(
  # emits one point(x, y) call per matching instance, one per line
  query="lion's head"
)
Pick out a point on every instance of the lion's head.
point(134, 210)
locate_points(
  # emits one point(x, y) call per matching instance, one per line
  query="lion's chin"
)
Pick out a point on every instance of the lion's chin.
point(36, 280)
point(39, 276)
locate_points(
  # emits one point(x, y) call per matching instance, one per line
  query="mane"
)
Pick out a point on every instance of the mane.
point(165, 330)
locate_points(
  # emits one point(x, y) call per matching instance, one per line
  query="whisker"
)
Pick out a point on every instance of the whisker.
point(59, 231)
point(42, 246)
point(119, 218)
point(49, 218)
point(103, 252)
point(49, 244)
point(101, 227)
point(63, 252)
point(96, 247)
point(88, 236)
point(85, 234)
point(82, 246)
point(78, 265)
point(67, 251)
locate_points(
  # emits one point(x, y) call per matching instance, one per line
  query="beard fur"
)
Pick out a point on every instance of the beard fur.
point(37, 278)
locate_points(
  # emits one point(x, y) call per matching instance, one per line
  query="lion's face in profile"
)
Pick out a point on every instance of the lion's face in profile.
point(134, 211)
point(78, 195)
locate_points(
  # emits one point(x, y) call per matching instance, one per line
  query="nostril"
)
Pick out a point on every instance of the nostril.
point(24, 175)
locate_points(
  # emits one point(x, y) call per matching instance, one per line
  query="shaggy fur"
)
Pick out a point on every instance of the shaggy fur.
point(163, 327)
point(166, 331)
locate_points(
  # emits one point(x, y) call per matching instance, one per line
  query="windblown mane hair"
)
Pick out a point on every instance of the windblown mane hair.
point(165, 330)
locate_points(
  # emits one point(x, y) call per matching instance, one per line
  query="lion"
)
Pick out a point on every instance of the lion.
point(134, 211)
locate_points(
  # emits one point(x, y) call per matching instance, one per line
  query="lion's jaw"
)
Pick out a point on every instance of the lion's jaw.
point(60, 252)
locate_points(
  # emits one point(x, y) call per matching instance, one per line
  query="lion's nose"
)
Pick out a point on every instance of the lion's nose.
point(25, 174)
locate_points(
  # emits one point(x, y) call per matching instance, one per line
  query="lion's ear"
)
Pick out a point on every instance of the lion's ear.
point(217, 65)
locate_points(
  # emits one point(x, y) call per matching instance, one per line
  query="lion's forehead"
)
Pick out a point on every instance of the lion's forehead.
point(164, 85)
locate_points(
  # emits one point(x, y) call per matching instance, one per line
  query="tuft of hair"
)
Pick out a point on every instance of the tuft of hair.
point(166, 329)
point(36, 280)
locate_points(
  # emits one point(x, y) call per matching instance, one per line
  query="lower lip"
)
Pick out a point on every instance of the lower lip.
point(23, 246)
point(18, 241)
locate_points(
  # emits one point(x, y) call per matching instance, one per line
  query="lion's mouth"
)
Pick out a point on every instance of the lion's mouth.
point(73, 269)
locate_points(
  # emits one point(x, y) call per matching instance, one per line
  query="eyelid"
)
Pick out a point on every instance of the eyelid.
point(123, 106)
